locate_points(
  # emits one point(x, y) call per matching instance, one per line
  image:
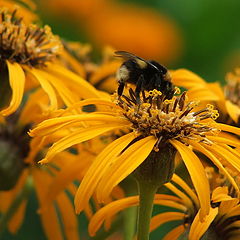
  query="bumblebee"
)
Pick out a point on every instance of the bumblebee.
point(146, 75)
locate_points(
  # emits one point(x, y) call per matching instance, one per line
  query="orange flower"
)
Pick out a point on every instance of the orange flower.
point(123, 26)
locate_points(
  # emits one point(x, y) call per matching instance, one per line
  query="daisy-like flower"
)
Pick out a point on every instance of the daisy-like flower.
point(221, 223)
point(20, 174)
point(28, 54)
point(153, 130)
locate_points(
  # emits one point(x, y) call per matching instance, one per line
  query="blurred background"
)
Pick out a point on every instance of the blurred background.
point(202, 36)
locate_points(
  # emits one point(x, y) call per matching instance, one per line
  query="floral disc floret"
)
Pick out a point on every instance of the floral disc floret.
point(168, 119)
point(26, 44)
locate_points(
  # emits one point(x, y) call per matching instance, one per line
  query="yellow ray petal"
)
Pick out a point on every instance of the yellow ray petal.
point(51, 125)
point(49, 216)
point(68, 216)
point(76, 137)
point(202, 94)
point(69, 97)
point(225, 153)
point(94, 101)
point(198, 176)
point(198, 228)
point(202, 148)
point(17, 219)
point(186, 188)
point(162, 218)
point(47, 87)
point(187, 201)
point(228, 128)
point(85, 89)
point(17, 82)
point(110, 209)
point(225, 140)
point(114, 207)
point(220, 194)
point(69, 172)
point(124, 165)
point(175, 233)
point(187, 79)
point(233, 110)
point(97, 170)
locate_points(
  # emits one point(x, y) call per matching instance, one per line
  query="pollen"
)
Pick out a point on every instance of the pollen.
point(26, 44)
point(168, 119)
point(232, 89)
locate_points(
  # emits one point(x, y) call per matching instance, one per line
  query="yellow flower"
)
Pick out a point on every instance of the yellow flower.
point(28, 55)
point(20, 174)
point(223, 215)
point(24, 8)
point(147, 128)
point(225, 98)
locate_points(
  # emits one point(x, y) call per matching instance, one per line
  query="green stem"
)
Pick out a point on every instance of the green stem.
point(6, 217)
point(146, 194)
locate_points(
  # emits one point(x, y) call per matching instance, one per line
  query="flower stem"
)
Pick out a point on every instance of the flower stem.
point(146, 194)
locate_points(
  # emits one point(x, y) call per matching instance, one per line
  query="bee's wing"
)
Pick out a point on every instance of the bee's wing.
point(126, 55)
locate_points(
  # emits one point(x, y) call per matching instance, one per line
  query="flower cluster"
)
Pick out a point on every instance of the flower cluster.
point(67, 133)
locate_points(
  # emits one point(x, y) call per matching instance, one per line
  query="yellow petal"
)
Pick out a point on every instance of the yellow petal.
point(202, 148)
point(228, 128)
point(114, 207)
point(202, 94)
point(75, 82)
point(197, 174)
point(187, 201)
point(68, 216)
point(198, 228)
point(220, 194)
point(76, 137)
point(49, 216)
point(225, 140)
point(98, 169)
point(175, 233)
point(125, 164)
point(186, 188)
point(17, 82)
point(110, 209)
point(51, 125)
point(233, 110)
point(47, 87)
point(69, 172)
point(187, 79)
point(226, 153)
point(162, 218)
point(17, 219)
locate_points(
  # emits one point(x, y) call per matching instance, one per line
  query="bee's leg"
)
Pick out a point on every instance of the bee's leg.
point(139, 88)
point(158, 83)
point(120, 88)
